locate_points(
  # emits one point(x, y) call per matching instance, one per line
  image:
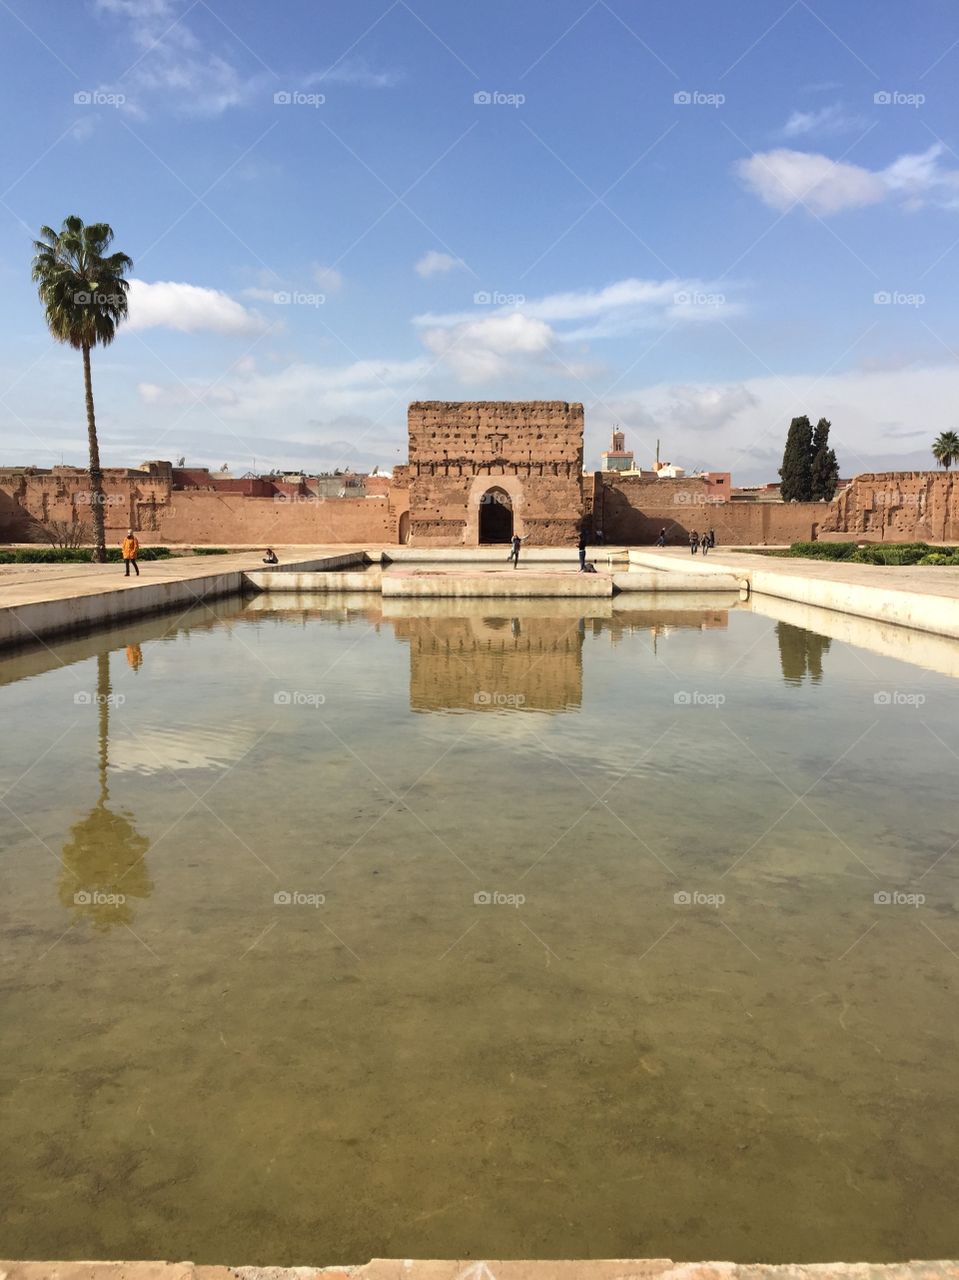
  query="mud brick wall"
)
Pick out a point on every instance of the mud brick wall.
point(899, 506)
point(632, 510)
point(531, 449)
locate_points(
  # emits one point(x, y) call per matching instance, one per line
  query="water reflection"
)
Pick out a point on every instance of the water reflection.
point(104, 864)
point(527, 663)
point(531, 660)
point(800, 653)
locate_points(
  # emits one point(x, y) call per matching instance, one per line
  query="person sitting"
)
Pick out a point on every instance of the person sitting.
point(270, 557)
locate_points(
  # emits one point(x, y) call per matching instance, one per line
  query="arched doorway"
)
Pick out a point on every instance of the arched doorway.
point(495, 516)
point(403, 533)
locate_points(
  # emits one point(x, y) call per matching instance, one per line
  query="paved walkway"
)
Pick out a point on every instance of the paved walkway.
point(928, 579)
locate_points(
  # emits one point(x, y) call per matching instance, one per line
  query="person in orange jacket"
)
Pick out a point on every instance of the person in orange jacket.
point(130, 551)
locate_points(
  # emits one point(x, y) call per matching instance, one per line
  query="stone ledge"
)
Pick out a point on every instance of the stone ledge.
point(427, 1269)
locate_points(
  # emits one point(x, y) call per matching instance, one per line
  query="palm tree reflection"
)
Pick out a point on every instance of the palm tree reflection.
point(800, 653)
point(104, 863)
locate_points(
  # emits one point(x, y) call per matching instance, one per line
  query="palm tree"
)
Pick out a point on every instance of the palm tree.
point(84, 295)
point(945, 449)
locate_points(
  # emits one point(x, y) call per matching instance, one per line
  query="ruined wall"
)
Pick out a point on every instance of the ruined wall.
point(632, 510)
point(191, 516)
point(899, 506)
point(533, 450)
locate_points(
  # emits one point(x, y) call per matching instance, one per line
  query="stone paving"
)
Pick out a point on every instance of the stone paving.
point(407, 1269)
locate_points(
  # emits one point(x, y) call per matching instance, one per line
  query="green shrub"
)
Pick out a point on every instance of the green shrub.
point(210, 551)
point(75, 555)
point(890, 553)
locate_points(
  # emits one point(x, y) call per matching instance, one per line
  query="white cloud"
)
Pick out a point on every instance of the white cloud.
point(784, 178)
point(355, 71)
point(434, 263)
point(491, 348)
point(741, 426)
point(535, 333)
point(189, 308)
point(328, 278)
point(827, 120)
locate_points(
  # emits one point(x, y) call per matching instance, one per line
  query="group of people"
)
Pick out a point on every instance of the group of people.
point(703, 543)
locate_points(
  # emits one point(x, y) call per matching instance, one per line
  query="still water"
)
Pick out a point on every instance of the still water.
point(425, 929)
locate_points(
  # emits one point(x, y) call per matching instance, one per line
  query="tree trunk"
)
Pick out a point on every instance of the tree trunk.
point(97, 499)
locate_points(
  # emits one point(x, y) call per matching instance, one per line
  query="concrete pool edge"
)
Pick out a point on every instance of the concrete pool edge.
point(466, 1269)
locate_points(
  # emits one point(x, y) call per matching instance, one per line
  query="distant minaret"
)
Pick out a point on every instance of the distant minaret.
point(657, 455)
point(617, 457)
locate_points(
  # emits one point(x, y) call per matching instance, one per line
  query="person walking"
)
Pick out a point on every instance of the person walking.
point(514, 544)
point(693, 542)
point(712, 538)
point(661, 540)
point(583, 544)
point(704, 543)
point(130, 550)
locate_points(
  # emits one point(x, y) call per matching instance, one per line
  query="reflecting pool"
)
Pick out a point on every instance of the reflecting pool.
point(340, 927)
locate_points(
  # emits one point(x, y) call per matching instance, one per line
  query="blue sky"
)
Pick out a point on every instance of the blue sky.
point(699, 220)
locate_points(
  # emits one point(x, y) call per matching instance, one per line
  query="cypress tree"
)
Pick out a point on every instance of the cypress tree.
point(824, 468)
point(796, 471)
